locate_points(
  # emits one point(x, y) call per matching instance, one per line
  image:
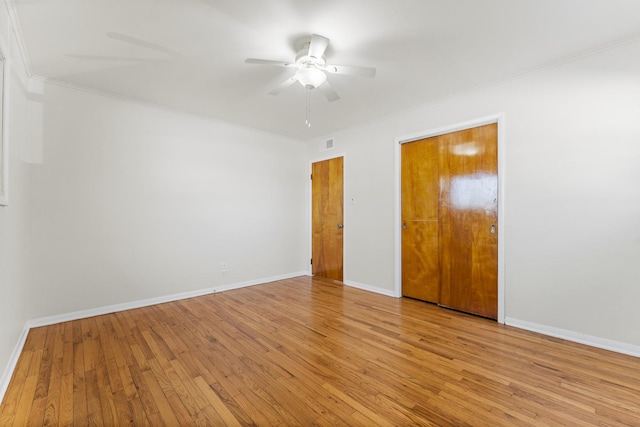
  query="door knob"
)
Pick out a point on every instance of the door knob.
point(493, 229)
point(404, 225)
point(340, 225)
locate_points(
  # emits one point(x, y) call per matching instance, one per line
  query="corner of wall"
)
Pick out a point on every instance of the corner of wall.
point(5, 379)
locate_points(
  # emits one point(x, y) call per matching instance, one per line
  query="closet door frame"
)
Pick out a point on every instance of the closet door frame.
point(499, 119)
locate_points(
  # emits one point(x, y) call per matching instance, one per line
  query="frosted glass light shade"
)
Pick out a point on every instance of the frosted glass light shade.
point(310, 78)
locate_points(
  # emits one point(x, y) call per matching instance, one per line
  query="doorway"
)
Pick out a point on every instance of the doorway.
point(327, 223)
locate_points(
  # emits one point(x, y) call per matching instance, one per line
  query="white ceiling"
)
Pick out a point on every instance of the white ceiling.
point(189, 54)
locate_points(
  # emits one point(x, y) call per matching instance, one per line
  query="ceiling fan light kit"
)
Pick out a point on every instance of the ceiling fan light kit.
point(310, 78)
point(312, 68)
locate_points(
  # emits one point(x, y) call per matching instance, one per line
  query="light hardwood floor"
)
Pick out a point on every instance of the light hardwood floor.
point(311, 352)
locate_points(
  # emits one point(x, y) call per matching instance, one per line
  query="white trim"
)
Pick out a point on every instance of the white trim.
point(248, 283)
point(310, 201)
point(326, 157)
point(17, 33)
point(370, 288)
point(398, 215)
point(35, 85)
point(502, 218)
point(495, 118)
point(82, 314)
point(487, 120)
point(13, 362)
point(590, 340)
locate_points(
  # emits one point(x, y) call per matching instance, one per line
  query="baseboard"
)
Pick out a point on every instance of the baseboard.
point(375, 289)
point(606, 344)
point(603, 343)
point(13, 361)
point(239, 285)
point(83, 314)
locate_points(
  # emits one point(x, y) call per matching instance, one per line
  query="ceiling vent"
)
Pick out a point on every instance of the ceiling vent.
point(327, 144)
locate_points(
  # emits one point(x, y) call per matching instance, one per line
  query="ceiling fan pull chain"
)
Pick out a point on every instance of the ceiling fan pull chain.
point(306, 106)
point(308, 121)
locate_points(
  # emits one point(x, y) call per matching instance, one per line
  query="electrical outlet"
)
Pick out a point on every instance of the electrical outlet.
point(224, 268)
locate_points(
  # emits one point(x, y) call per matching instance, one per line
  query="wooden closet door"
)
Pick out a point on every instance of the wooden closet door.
point(420, 265)
point(469, 220)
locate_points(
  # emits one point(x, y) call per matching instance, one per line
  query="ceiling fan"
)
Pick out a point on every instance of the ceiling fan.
point(312, 68)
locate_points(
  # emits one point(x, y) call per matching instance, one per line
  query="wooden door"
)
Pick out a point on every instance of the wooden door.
point(420, 192)
point(469, 220)
point(327, 218)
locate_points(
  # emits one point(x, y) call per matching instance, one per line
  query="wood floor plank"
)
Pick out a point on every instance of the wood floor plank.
point(110, 413)
point(162, 403)
point(52, 398)
point(44, 374)
point(14, 391)
point(23, 407)
point(143, 396)
point(94, 404)
point(310, 351)
point(109, 372)
point(137, 412)
point(119, 407)
point(217, 404)
point(372, 415)
point(170, 391)
point(79, 390)
point(65, 415)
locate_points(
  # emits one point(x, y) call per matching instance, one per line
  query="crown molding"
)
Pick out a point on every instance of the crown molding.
point(17, 33)
point(38, 81)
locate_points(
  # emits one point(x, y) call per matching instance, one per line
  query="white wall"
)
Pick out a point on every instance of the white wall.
point(133, 202)
point(572, 201)
point(13, 224)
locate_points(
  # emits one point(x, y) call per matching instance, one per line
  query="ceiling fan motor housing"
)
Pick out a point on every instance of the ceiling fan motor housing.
point(310, 74)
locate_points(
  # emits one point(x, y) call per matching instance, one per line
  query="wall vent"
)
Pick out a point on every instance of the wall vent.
point(327, 144)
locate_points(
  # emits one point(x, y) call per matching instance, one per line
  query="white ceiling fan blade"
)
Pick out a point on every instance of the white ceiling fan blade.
point(269, 62)
point(108, 58)
point(282, 86)
point(328, 92)
point(349, 70)
point(318, 45)
point(139, 42)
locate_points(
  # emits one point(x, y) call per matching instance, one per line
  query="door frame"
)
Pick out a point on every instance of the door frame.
point(499, 119)
point(310, 209)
